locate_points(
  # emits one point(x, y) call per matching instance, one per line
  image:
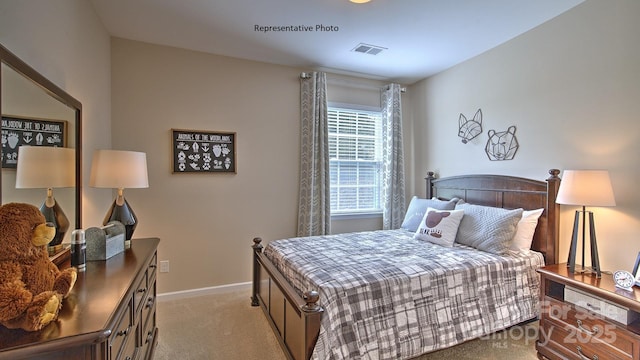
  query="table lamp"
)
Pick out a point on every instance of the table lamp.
point(46, 167)
point(585, 188)
point(119, 169)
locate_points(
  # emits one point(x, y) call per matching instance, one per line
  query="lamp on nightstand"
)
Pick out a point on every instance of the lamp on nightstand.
point(585, 188)
point(119, 169)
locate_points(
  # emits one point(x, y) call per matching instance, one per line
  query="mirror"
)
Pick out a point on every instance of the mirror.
point(28, 100)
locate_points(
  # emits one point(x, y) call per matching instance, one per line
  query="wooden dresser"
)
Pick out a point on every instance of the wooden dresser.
point(585, 318)
point(110, 314)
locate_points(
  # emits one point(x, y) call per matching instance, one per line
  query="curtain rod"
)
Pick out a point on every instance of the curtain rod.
point(353, 84)
point(402, 89)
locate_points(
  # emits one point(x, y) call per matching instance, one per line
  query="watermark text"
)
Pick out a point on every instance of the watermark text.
point(296, 28)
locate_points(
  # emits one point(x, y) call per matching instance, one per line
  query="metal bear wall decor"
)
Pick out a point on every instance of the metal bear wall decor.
point(469, 129)
point(502, 145)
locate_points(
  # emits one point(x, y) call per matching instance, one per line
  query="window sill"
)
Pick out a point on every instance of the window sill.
point(363, 215)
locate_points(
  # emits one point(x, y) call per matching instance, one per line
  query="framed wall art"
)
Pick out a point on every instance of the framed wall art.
point(18, 131)
point(197, 151)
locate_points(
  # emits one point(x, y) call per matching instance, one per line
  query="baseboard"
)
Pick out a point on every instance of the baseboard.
point(222, 289)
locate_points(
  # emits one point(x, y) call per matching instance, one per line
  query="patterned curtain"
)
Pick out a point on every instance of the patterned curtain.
point(393, 195)
point(314, 207)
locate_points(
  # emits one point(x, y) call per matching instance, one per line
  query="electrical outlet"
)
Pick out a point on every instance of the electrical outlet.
point(164, 266)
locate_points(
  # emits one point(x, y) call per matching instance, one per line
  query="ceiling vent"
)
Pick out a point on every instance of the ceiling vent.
point(368, 49)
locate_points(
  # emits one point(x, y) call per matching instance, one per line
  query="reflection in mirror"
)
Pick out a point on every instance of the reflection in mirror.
point(31, 101)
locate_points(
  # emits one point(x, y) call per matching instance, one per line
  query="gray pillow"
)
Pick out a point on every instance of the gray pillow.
point(417, 208)
point(487, 228)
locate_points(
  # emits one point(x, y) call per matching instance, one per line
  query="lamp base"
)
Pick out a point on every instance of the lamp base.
point(587, 271)
point(54, 214)
point(595, 261)
point(124, 214)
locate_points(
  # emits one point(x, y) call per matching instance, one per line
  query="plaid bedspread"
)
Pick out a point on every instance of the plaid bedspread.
point(389, 296)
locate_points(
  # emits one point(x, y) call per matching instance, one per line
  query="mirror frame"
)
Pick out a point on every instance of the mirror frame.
point(15, 63)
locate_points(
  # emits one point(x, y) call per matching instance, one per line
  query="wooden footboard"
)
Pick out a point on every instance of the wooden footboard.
point(295, 319)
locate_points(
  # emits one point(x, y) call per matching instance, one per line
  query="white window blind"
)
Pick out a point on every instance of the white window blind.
point(355, 160)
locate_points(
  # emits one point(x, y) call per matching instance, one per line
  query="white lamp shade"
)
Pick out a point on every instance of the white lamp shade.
point(119, 169)
point(586, 188)
point(45, 167)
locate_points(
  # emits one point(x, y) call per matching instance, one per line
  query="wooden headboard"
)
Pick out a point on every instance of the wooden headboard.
point(509, 192)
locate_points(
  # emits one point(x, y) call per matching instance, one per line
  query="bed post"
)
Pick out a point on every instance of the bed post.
point(257, 249)
point(294, 318)
point(553, 218)
point(430, 177)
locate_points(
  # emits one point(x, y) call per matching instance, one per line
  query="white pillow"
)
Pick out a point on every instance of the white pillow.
point(525, 230)
point(439, 226)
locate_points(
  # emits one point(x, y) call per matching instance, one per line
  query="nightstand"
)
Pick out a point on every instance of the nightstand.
point(585, 318)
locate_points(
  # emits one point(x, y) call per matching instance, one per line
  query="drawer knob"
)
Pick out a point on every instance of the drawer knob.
point(593, 307)
point(123, 332)
point(587, 330)
point(583, 357)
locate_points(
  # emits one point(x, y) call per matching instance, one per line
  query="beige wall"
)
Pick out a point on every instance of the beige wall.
point(207, 221)
point(571, 86)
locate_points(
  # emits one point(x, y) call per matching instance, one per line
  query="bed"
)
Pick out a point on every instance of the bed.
point(386, 295)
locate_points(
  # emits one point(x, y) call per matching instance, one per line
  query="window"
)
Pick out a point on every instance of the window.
point(355, 160)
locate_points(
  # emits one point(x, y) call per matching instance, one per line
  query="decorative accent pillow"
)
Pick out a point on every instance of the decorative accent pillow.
point(487, 228)
point(417, 208)
point(439, 226)
point(525, 229)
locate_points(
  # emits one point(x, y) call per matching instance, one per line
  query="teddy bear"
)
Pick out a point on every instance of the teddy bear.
point(31, 286)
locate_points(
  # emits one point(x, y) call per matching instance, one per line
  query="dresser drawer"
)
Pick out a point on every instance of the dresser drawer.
point(121, 334)
point(149, 307)
point(599, 306)
point(153, 265)
point(566, 341)
point(149, 336)
point(140, 293)
point(585, 326)
point(129, 349)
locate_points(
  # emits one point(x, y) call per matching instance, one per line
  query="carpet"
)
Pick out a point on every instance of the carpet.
point(226, 327)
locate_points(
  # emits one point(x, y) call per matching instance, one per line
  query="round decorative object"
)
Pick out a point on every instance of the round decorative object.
point(624, 279)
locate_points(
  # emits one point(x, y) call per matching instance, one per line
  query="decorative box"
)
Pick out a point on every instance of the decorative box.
point(105, 242)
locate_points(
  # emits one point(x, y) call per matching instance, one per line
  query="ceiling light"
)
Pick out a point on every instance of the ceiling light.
point(359, 1)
